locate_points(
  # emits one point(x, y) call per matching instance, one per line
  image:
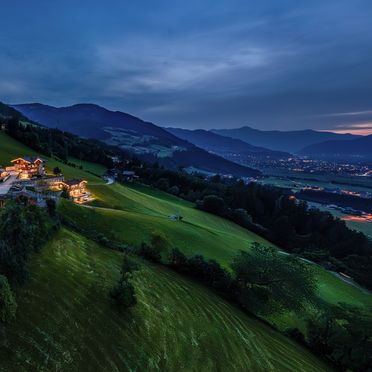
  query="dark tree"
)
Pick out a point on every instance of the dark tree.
point(271, 282)
point(8, 305)
point(57, 171)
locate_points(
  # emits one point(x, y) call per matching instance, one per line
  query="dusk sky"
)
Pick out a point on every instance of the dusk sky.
point(196, 64)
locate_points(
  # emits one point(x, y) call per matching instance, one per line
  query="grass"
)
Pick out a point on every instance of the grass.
point(11, 149)
point(66, 322)
point(133, 212)
point(129, 213)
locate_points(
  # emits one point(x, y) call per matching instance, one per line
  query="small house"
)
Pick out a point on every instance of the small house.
point(29, 167)
point(77, 190)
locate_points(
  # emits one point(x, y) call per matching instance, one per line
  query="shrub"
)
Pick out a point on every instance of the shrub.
point(123, 293)
point(213, 204)
point(8, 305)
point(149, 253)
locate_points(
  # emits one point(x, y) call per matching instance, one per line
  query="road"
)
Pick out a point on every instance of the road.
point(109, 180)
point(5, 186)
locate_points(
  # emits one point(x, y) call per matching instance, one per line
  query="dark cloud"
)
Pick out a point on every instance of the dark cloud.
point(270, 64)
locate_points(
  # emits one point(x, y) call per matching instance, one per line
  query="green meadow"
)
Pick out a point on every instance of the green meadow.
point(66, 322)
point(128, 213)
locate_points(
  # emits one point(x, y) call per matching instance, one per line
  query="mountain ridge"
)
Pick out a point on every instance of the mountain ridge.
point(288, 141)
point(356, 148)
point(230, 148)
point(132, 134)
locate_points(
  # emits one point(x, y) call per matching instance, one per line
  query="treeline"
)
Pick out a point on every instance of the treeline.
point(274, 214)
point(24, 229)
point(59, 144)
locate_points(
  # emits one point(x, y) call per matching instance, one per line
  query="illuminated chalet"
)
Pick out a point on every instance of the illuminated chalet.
point(76, 189)
point(29, 167)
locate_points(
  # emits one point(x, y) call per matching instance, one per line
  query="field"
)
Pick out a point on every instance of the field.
point(66, 322)
point(281, 178)
point(129, 213)
point(11, 149)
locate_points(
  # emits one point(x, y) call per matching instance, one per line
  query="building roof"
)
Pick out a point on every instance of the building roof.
point(74, 181)
point(29, 159)
point(129, 173)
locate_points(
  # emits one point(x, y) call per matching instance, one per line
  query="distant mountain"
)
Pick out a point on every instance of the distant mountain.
point(360, 148)
point(227, 147)
point(289, 141)
point(130, 133)
point(7, 111)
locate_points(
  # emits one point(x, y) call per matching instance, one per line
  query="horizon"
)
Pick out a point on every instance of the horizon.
point(356, 132)
point(198, 65)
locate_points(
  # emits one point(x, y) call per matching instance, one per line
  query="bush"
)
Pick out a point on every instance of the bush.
point(175, 190)
point(213, 204)
point(159, 241)
point(149, 253)
point(123, 294)
point(8, 305)
point(296, 334)
point(177, 260)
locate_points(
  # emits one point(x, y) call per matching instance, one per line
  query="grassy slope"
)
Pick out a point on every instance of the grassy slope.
point(139, 209)
point(65, 321)
point(11, 149)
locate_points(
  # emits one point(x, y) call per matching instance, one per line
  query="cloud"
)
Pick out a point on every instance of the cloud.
point(207, 63)
point(352, 113)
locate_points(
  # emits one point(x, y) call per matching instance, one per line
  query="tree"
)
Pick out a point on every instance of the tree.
point(23, 229)
point(213, 204)
point(57, 171)
point(175, 190)
point(159, 241)
point(269, 281)
point(51, 207)
point(8, 305)
point(343, 333)
point(149, 252)
point(123, 293)
point(162, 184)
point(177, 260)
point(128, 266)
point(282, 231)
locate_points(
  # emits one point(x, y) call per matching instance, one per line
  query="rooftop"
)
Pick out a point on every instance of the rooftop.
point(74, 181)
point(30, 159)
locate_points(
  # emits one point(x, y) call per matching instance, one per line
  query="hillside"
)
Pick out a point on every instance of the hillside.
point(229, 148)
point(9, 112)
point(131, 134)
point(65, 321)
point(11, 149)
point(360, 148)
point(289, 141)
point(129, 213)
